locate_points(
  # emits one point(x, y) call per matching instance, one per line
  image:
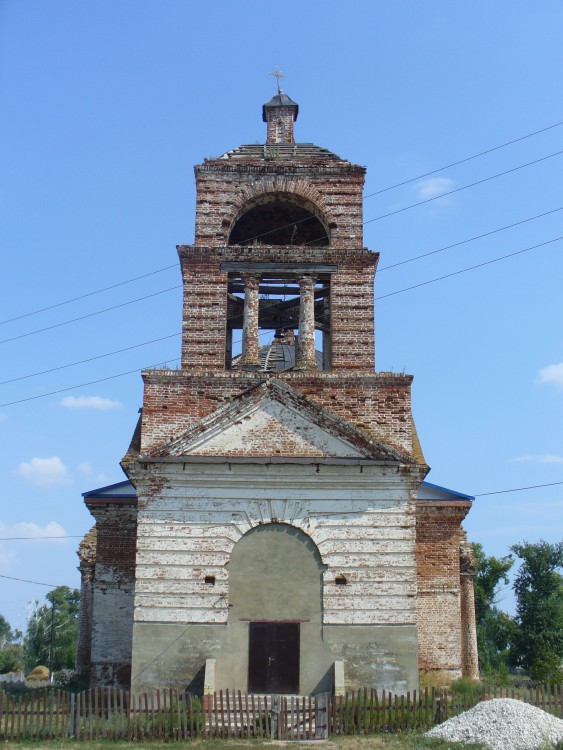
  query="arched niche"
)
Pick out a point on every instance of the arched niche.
point(275, 574)
point(279, 218)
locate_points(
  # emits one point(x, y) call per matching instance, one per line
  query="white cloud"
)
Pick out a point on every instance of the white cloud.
point(546, 458)
point(44, 471)
point(7, 556)
point(29, 529)
point(89, 402)
point(85, 467)
point(433, 187)
point(551, 374)
point(3, 416)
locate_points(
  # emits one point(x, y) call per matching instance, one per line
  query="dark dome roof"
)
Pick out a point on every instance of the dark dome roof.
point(280, 100)
point(277, 357)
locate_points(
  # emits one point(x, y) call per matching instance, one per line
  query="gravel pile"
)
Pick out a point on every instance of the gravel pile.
point(503, 724)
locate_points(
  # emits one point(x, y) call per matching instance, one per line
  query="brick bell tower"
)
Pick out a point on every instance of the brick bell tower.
point(276, 472)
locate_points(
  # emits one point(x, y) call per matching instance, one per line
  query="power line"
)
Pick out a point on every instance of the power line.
point(90, 359)
point(470, 268)
point(80, 536)
point(464, 187)
point(379, 270)
point(83, 385)
point(462, 161)
point(38, 538)
point(87, 294)
point(449, 192)
point(111, 377)
point(370, 195)
point(385, 268)
point(390, 294)
point(38, 583)
point(517, 489)
point(471, 239)
point(90, 315)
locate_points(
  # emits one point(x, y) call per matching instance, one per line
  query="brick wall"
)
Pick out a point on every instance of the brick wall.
point(205, 301)
point(113, 592)
point(87, 568)
point(379, 404)
point(280, 124)
point(438, 533)
point(227, 187)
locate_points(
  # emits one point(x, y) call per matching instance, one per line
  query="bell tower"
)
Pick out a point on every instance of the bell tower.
point(278, 247)
point(278, 429)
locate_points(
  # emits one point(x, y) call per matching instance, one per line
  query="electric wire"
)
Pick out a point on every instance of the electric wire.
point(517, 489)
point(379, 270)
point(89, 315)
point(370, 195)
point(80, 536)
point(87, 294)
point(470, 268)
point(413, 205)
point(448, 192)
point(462, 161)
point(37, 583)
point(464, 187)
point(83, 385)
point(384, 296)
point(385, 268)
point(470, 239)
point(89, 359)
point(39, 538)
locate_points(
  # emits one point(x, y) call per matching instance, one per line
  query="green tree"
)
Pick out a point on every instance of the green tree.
point(494, 627)
point(537, 645)
point(10, 648)
point(53, 628)
point(6, 633)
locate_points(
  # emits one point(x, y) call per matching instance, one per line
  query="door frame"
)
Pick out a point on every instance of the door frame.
point(269, 679)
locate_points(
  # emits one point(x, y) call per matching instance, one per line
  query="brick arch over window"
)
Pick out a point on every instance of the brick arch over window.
point(279, 212)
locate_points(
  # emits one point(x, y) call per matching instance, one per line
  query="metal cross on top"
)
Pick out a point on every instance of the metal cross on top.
point(277, 75)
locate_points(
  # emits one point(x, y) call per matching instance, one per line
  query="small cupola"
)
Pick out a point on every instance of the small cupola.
point(280, 113)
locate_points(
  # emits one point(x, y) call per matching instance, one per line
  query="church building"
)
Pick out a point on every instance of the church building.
point(275, 533)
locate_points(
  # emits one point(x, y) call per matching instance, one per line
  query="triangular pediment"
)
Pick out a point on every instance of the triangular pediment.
point(274, 419)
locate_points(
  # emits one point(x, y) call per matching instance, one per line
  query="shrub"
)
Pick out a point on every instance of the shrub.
point(465, 686)
point(434, 679)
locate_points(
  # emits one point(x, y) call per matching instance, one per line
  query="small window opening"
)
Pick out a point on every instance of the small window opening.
point(340, 580)
point(210, 580)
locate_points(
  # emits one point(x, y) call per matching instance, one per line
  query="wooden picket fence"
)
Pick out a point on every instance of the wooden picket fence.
point(109, 713)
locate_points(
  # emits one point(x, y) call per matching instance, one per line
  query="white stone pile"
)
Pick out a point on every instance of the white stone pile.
point(503, 724)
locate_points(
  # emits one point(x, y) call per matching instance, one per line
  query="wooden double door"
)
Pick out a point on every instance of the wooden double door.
point(273, 663)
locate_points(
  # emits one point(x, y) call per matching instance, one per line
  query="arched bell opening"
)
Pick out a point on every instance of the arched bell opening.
point(280, 219)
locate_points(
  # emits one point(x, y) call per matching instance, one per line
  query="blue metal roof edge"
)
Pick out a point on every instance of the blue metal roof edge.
point(450, 492)
point(99, 490)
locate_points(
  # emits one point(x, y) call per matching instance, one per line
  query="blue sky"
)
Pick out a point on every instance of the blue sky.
point(106, 106)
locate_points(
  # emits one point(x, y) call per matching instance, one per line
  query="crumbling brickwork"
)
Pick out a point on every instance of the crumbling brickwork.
point(327, 447)
point(205, 301)
point(113, 592)
point(377, 403)
point(327, 185)
point(87, 568)
point(438, 577)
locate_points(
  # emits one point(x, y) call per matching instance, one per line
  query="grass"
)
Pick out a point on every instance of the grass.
point(372, 742)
